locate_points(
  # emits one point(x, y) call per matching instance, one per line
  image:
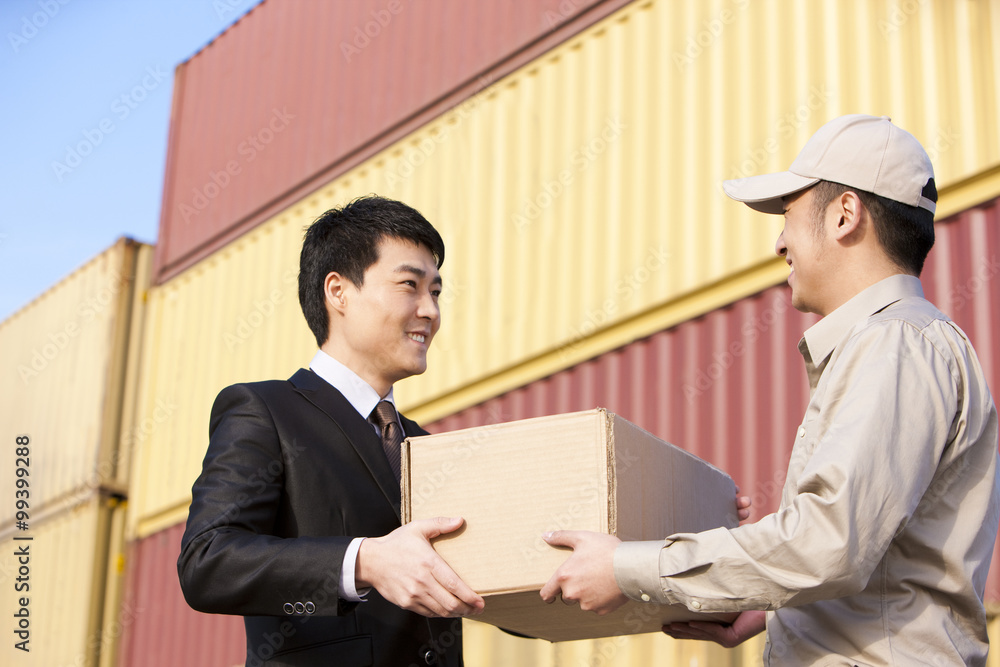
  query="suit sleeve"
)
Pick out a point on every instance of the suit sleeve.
point(230, 561)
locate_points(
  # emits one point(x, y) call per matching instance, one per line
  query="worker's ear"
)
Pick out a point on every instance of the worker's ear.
point(849, 215)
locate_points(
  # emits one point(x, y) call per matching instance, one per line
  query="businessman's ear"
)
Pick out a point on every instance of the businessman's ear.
point(334, 291)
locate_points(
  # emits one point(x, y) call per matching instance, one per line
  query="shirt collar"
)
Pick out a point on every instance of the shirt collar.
point(820, 339)
point(358, 393)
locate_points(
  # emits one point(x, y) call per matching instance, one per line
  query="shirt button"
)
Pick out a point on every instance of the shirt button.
point(695, 604)
point(644, 597)
point(802, 431)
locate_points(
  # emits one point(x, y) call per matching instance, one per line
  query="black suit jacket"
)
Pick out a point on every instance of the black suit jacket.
point(291, 475)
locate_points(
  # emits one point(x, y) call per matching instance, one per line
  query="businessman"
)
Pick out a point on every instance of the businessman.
point(879, 551)
point(295, 518)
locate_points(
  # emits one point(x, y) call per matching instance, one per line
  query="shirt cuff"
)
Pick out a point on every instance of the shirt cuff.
point(348, 587)
point(637, 570)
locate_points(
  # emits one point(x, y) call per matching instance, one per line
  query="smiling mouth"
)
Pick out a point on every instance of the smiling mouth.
point(420, 338)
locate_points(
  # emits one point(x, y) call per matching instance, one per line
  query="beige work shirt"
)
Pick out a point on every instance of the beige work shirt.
point(879, 550)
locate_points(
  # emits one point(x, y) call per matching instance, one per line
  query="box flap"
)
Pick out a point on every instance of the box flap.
point(662, 489)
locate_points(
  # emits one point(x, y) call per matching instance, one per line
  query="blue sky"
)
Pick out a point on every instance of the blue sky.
point(87, 89)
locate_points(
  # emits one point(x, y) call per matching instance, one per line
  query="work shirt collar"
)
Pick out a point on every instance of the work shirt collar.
point(819, 340)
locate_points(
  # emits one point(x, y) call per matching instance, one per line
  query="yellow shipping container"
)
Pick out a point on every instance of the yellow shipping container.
point(486, 646)
point(61, 582)
point(65, 357)
point(580, 199)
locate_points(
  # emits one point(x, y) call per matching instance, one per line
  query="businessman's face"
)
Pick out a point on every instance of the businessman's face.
point(390, 320)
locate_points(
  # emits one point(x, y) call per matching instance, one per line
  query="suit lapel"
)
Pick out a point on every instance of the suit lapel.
point(411, 427)
point(356, 429)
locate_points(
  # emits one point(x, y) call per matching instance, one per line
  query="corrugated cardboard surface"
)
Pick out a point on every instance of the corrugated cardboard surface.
point(586, 470)
point(511, 482)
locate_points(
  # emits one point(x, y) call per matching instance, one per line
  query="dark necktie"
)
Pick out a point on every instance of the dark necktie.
point(384, 416)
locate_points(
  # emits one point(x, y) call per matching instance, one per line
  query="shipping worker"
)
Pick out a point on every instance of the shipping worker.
point(879, 551)
point(299, 472)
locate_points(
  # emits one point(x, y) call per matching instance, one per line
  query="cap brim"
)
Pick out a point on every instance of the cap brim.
point(763, 193)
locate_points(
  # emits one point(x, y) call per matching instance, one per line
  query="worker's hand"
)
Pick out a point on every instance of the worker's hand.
point(746, 625)
point(742, 506)
point(588, 575)
point(406, 570)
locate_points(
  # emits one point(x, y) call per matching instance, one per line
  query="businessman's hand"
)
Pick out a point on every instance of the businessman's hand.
point(406, 570)
point(588, 575)
point(746, 625)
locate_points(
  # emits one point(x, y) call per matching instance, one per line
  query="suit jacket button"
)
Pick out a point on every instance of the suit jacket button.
point(430, 658)
point(299, 608)
point(289, 609)
point(310, 607)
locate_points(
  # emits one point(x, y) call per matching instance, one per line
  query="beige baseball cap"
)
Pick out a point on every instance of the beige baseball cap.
point(864, 152)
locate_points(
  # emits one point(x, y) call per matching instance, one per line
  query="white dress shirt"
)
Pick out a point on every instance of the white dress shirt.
point(363, 398)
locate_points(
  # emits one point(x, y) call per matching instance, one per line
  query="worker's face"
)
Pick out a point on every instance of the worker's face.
point(389, 321)
point(802, 243)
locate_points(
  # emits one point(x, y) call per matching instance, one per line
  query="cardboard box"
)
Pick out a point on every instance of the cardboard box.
point(586, 470)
